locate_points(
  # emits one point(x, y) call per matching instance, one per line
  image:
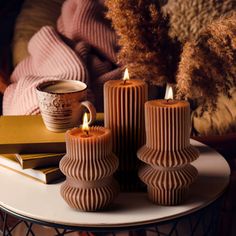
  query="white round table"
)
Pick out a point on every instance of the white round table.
point(43, 204)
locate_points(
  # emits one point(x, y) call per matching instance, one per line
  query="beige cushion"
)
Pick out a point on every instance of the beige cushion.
point(34, 15)
point(222, 121)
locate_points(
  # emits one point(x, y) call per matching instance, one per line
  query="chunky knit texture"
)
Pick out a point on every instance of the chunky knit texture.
point(90, 57)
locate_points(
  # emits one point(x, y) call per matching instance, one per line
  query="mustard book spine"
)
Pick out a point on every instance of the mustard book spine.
point(44, 175)
point(39, 160)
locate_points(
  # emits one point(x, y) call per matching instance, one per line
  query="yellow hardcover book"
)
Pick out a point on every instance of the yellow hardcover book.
point(39, 160)
point(44, 175)
point(28, 134)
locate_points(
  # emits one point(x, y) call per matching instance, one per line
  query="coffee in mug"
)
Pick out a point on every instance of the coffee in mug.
point(62, 103)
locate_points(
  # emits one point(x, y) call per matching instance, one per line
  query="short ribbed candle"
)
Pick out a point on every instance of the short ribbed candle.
point(124, 115)
point(89, 165)
point(167, 151)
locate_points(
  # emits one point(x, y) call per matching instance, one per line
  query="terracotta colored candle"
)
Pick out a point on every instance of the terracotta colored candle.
point(124, 115)
point(89, 165)
point(167, 151)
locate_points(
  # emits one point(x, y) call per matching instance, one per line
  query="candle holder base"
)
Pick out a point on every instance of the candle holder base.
point(90, 198)
point(168, 186)
point(169, 197)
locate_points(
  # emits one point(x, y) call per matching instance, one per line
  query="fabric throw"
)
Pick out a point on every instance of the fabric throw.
point(221, 121)
point(82, 48)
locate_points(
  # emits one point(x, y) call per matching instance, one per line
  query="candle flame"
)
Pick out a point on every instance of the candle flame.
point(169, 92)
point(85, 126)
point(126, 75)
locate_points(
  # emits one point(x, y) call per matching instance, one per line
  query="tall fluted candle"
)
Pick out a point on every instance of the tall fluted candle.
point(124, 115)
point(89, 165)
point(167, 152)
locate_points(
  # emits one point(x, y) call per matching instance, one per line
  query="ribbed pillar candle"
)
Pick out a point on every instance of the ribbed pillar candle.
point(89, 165)
point(124, 115)
point(167, 152)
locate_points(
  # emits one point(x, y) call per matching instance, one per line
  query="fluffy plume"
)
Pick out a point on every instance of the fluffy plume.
point(207, 67)
point(143, 37)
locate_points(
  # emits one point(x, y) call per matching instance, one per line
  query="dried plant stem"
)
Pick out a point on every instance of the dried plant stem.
point(207, 67)
point(143, 37)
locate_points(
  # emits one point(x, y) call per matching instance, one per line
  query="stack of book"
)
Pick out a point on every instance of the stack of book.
point(31, 165)
point(37, 151)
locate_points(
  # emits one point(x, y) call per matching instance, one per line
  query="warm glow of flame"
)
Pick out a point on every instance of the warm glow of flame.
point(85, 126)
point(169, 92)
point(126, 75)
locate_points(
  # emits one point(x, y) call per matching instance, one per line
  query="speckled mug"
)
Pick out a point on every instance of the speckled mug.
point(61, 103)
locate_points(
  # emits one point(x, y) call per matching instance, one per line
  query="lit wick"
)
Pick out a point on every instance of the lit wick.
point(169, 93)
point(126, 76)
point(85, 126)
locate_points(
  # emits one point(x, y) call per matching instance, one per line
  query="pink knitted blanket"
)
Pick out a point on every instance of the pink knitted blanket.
point(89, 55)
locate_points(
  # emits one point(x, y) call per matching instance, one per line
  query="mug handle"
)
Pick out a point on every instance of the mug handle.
point(91, 109)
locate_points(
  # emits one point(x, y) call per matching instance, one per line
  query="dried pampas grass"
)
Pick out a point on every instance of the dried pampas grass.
point(146, 49)
point(208, 65)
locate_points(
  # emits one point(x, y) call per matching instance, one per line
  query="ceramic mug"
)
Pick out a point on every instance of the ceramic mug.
point(61, 103)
